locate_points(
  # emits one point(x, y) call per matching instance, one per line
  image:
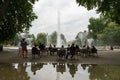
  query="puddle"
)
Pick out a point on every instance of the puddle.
point(58, 71)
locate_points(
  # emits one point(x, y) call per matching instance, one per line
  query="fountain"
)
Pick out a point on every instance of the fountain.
point(84, 40)
point(83, 37)
point(47, 40)
point(80, 35)
point(89, 42)
point(58, 32)
point(29, 42)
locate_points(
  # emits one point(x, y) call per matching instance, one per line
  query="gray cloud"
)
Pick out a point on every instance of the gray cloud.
point(74, 18)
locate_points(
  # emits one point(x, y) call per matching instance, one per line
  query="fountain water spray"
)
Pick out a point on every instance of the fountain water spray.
point(47, 40)
point(58, 32)
point(83, 38)
point(89, 42)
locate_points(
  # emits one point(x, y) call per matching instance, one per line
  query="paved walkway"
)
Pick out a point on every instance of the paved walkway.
point(104, 57)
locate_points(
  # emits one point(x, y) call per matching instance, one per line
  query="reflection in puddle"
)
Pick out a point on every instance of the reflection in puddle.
point(58, 71)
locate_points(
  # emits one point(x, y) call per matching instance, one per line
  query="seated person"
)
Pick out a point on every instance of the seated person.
point(50, 49)
point(35, 51)
point(94, 50)
point(68, 51)
point(61, 52)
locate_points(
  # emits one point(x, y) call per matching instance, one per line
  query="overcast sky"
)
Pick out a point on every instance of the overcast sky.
point(73, 18)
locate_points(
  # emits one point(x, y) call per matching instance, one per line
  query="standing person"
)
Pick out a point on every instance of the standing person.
point(24, 48)
point(19, 49)
point(72, 50)
point(68, 51)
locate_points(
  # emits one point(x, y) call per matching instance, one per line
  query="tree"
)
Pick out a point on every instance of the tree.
point(96, 26)
point(111, 34)
point(53, 38)
point(109, 8)
point(41, 38)
point(15, 16)
point(16, 40)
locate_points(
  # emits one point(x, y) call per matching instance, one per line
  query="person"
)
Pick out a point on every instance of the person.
point(61, 52)
point(24, 48)
point(35, 51)
point(77, 50)
point(94, 50)
point(68, 51)
point(19, 49)
point(72, 50)
point(50, 49)
point(84, 51)
point(54, 49)
point(62, 47)
point(111, 48)
point(40, 46)
point(88, 50)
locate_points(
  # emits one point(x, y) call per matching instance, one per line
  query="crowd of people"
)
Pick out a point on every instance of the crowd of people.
point(63, 52)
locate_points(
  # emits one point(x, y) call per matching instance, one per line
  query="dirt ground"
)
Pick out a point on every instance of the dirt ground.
point(104, 57)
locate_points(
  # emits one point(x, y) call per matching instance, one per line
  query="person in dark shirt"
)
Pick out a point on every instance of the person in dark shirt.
point(68, 51)
point(35, 51)
point(24, 48)
point(72, 50)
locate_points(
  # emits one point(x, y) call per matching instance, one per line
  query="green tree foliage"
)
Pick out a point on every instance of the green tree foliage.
point(105, 31)
point(41, 38)
point(109, 8)
point(16, 39)
point(15, 16)
point(53, 38)
point(19, 37)
point(96, 26)
point(111, 34)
